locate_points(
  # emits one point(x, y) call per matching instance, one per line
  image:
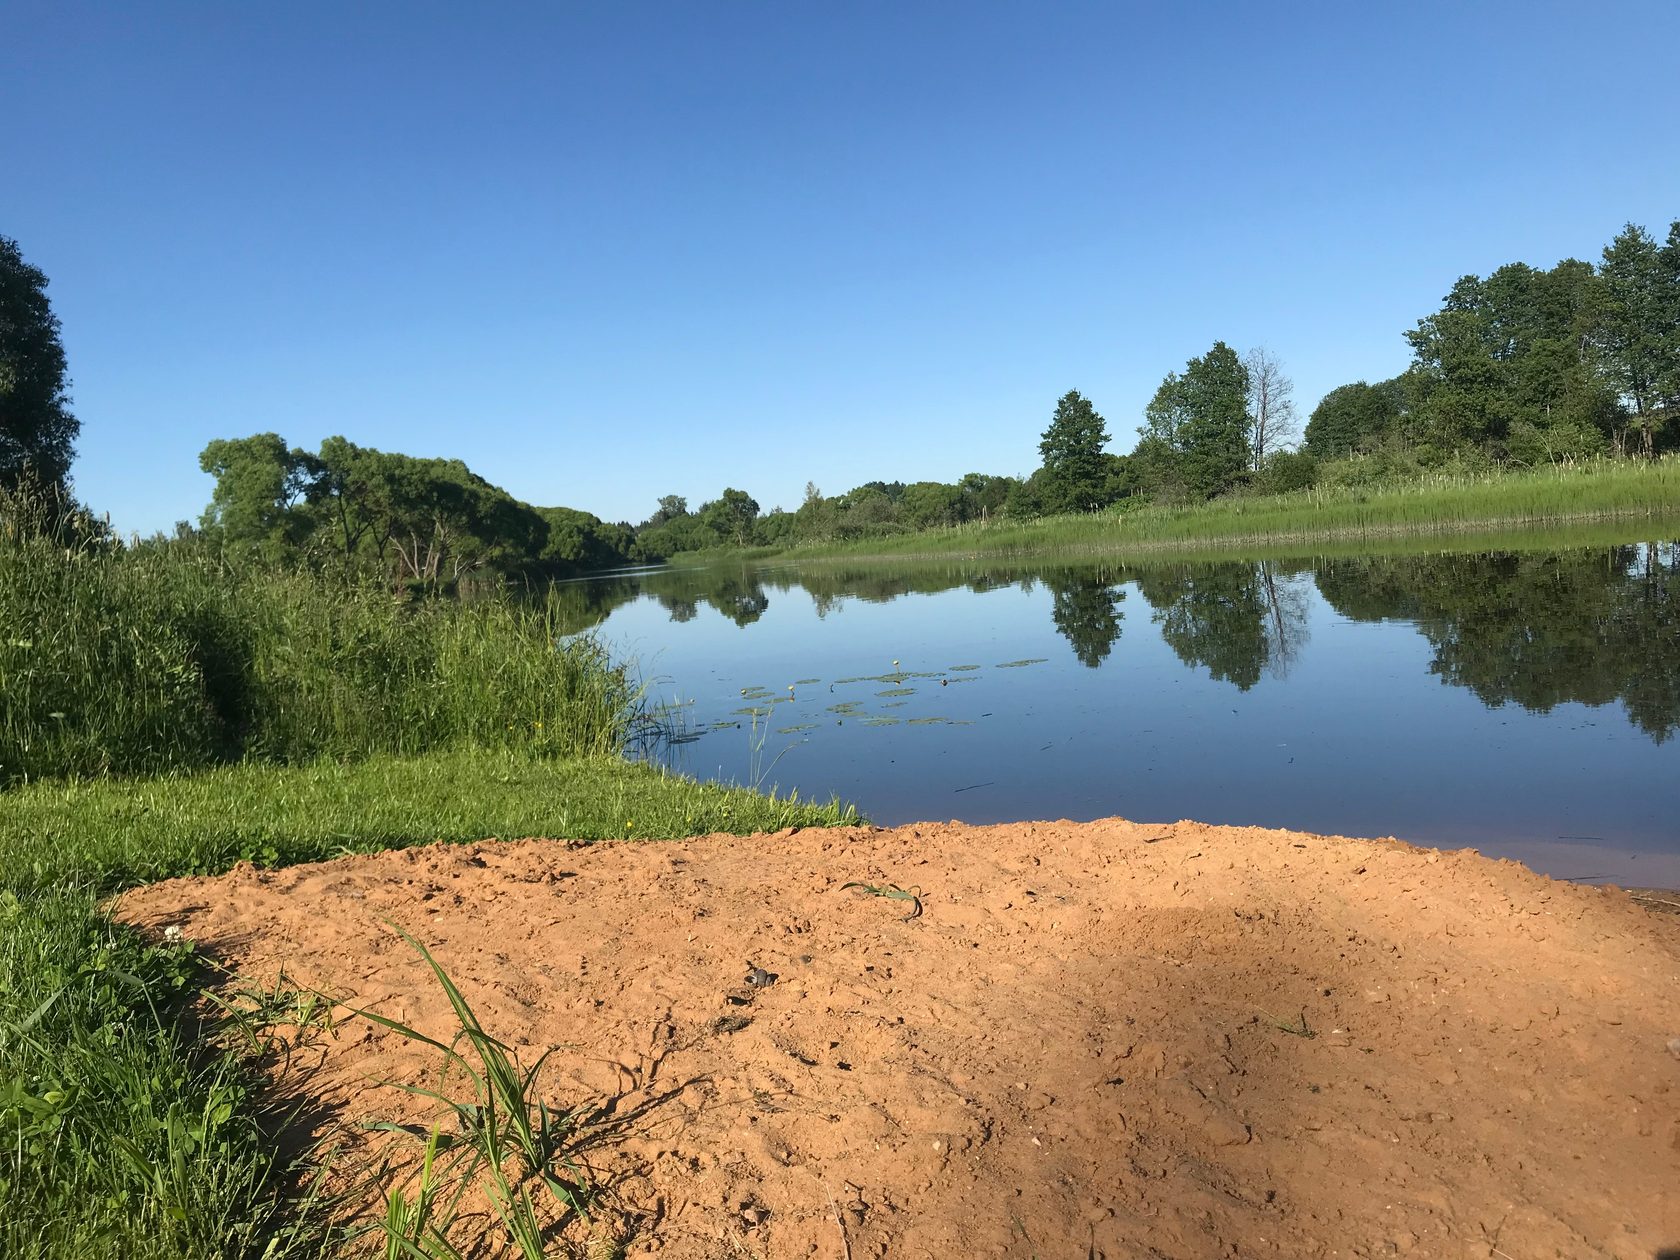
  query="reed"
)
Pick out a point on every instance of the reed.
point(154, 659)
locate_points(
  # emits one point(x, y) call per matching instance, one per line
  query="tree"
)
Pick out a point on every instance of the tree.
point(1350, 416)
point(1271, 405)
point(670, 507)
point(258, 483)
point(1197, 426)
point(1506, 366)
point(925, 504)
point(1025, 499)
point(37, 430)
point(1637, 340)
point(1668, 378)
point(732, 515)
point(1075, 472)
point(983, 495)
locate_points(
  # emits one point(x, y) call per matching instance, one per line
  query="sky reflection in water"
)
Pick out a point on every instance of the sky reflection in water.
point(1525, 704)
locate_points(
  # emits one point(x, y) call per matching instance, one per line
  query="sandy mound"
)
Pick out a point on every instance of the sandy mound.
point(1090, 1043)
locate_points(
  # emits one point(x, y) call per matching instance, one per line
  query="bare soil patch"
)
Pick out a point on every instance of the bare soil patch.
point(1107, 1039)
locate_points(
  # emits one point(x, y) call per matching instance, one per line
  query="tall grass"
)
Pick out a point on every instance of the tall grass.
point(1437, 504)
point(117, 1136)
point(151, 659)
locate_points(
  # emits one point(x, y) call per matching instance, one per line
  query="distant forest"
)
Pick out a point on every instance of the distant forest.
point(1523, 367)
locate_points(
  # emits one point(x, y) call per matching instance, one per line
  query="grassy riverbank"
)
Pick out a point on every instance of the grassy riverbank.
point(1426, 507)
point(163, 713)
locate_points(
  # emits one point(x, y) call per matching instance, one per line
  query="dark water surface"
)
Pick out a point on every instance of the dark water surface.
point(1523, 703)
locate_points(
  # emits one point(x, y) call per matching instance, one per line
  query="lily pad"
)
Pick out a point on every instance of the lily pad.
point(880, 721)
point(957, 669)
point(1032, 660)
point(794, 730)
point(927, 721)
point(847, 709)
point(897, 691)
point(806, 682)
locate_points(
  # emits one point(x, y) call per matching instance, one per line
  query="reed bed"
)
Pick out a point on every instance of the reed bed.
point(147, 660)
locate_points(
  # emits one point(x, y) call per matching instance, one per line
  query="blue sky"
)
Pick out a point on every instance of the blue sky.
point(607, 252)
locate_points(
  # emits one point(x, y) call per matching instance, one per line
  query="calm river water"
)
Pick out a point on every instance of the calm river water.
point(1524, 703)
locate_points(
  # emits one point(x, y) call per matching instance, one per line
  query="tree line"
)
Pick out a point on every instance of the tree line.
point(1529, 366)
point(1521, 367)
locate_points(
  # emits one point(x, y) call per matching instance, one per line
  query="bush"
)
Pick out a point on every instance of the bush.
point(1285, 471)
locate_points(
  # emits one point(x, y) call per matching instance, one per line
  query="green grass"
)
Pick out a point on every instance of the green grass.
point(141, 661)
point(1434, 506)
point(116, 833)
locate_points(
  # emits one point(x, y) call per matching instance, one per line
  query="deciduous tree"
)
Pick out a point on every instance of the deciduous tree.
point(1198, 426)
point(1271, 406)
point(37, 429)
point(732, 515)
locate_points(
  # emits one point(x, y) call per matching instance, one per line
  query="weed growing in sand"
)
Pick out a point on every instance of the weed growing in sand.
point(255, 1013)
point(893, 892)
point(1296, 1028)
point(502, 1124)
point(416, 1228)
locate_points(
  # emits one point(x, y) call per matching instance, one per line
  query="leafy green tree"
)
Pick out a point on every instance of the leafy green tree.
point(983, 495)
point(37, 430)
point(669, 508)
point(679, 534)
point(1668, 378)
point(816, 516)
point(1507, 367)
point(424, 524)
point(1198, 426)
point(1025, 500)
point(866, 511)
point(1285, 471)
point(259, 482)
point(580, 542)
point(1350, 417)
point(731, 516)
point(926, 504)
point(1637, 335)
point(1075, 471)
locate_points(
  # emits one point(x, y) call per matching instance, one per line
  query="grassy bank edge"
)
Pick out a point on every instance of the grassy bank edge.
point(129, 1137)
point(1461, 509)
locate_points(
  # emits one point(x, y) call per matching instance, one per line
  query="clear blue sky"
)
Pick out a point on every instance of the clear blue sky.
point(606, 252)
